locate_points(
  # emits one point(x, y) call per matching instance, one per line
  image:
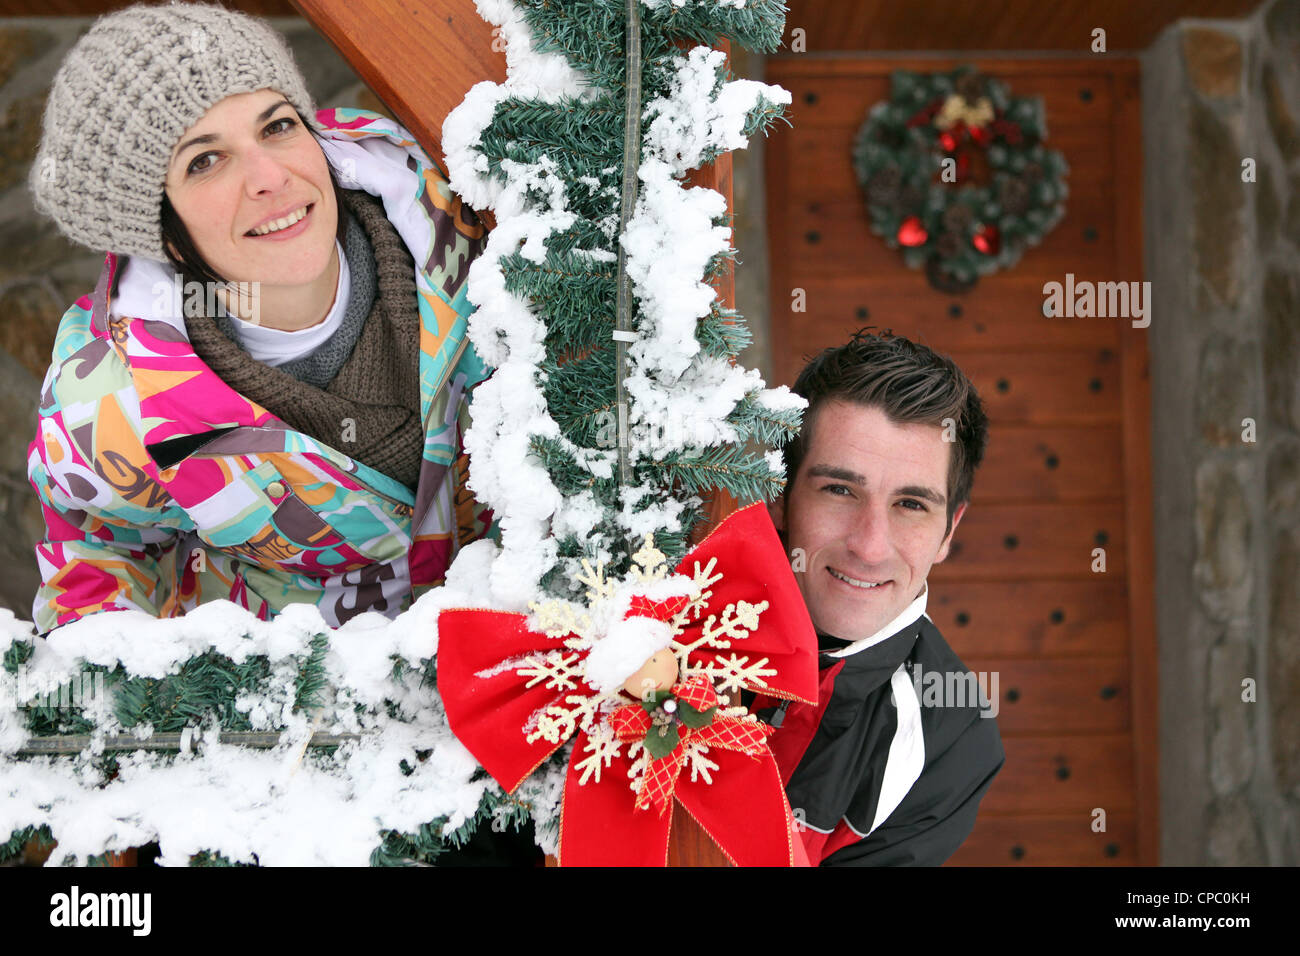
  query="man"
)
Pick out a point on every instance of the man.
point(878, 481)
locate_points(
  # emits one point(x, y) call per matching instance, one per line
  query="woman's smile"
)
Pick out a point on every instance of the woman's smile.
point(253, 188)
point(286, 226)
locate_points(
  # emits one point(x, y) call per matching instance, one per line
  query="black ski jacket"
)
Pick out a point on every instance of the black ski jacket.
point(890, 765)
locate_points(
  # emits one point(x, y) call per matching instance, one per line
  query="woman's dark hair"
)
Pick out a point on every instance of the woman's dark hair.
point(911, 384)
point(186, 258)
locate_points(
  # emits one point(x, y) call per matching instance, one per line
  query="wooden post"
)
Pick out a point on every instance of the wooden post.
point(689, 845)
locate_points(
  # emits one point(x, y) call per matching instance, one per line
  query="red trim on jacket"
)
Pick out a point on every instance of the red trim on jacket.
point(790, 742)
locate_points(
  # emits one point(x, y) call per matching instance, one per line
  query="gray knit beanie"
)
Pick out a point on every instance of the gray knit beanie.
point(123, 98)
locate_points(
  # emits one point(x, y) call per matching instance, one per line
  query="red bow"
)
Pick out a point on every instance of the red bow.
point(634, 722)
point(513, 698)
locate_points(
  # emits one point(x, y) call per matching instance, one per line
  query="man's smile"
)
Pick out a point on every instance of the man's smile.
point(856, 582)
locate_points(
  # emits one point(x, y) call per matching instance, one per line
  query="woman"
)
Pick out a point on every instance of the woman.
point(264, 397)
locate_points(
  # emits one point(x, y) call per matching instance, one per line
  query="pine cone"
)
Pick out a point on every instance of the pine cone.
point(892, 137)
point(883, 187)
point(911, 198)
point(949, 245)
point(1013, 195)
point(957, 218)
point(1033, 173)
point(945, 281)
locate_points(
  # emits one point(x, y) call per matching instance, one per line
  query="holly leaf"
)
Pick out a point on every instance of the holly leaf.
point(660, 746)
point(693, 718)
point(652, 700)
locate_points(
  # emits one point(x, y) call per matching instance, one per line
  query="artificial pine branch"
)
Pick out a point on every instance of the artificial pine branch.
point(722, 333)
point(576, 293)
point(757, 25)
point(754, 421)
point(731, 468)
point(583, 129)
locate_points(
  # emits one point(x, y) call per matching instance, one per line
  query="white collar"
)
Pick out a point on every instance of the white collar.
point(278, 346)
point(909, 615)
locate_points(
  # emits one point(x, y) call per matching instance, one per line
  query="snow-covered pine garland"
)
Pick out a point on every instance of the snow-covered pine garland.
point(544, 150)
point(392, 785)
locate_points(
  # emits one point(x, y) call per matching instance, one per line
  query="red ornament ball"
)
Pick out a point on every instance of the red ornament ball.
point(911, 232)
point(987, 240)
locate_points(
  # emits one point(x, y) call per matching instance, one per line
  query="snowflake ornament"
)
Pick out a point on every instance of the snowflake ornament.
point(644, 678)
point(653, 610)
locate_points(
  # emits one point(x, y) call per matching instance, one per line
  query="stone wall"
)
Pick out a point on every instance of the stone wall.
point(41, 273)
point(1221, 143)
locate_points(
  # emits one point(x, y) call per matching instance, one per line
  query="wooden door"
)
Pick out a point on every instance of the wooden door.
point(1067, 469)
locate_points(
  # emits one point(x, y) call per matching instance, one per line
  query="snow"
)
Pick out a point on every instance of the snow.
point(467, 167)
point(697, 404)
point(679, 398)
point(702, 112)
point(155, 647)
point(654, 4)
point(530, 74)
point(239, 801)
point(580, 518)
point(234, 800)
point(640, 520)
point(781, 399)
point(775, 463)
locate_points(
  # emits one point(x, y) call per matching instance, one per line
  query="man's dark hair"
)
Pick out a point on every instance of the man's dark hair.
point(186, 258)
point(911, 384)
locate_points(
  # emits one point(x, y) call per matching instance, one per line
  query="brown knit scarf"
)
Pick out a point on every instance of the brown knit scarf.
point(378, 387)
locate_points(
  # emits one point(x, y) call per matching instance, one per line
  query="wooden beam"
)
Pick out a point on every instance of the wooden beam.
point(688, 844)
point(1135, 372)
point(419, 56)
point(876, 26)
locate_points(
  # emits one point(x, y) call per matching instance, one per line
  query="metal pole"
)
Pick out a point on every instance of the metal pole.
point(75, 743)
point(623, 334)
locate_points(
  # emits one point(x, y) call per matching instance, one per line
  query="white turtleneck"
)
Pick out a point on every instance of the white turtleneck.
point(276, 346)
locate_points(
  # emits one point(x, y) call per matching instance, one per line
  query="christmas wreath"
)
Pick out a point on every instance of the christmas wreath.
point(956, 174)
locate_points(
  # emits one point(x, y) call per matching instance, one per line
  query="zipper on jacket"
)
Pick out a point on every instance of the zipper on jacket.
point(778, 716)
point(401, 507)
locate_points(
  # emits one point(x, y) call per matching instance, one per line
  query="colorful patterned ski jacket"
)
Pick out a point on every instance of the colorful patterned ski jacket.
point(163, 488)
